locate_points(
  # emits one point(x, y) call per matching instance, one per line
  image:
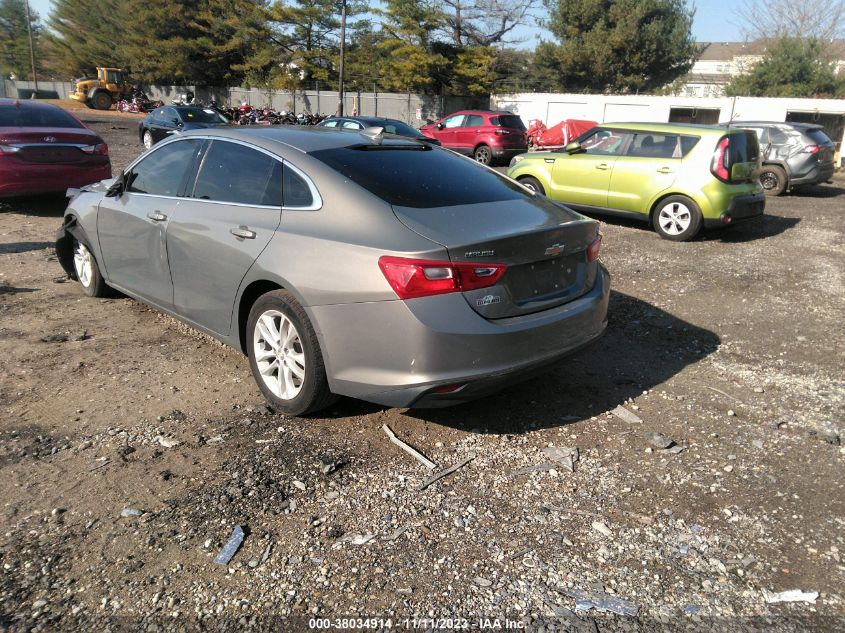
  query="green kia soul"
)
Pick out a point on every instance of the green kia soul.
point(678, 177)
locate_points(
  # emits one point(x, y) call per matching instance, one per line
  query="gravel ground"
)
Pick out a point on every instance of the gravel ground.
point(131, 446)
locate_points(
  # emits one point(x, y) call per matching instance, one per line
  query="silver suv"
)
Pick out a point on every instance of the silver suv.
point(792, 154)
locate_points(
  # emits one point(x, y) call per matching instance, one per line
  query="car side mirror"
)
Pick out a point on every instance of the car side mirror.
point(117, 187)
point(439, 126)
point(176, 121)
point(573, 147)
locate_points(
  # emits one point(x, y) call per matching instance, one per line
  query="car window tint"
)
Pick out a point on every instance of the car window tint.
point(604, 142)
point(777, 136)
point(818, 136)
point(232, 172)
point(687, 143)
point(162, 171)
point(453, 121)
point(651, 145)
point(352, 125)
point(397, 127)
point(419, 176)
point(330, 124)
point(168, 114)
point(509, 120)
point(296, 191)
point(202, 115)
point(474, 120)
point(25, 116)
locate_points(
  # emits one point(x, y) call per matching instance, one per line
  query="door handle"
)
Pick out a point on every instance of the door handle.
point(603, 166)
point(157, 216)
point(243, 233)
point(664, 170)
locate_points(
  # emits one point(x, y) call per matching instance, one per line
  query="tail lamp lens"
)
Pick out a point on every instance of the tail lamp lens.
point(8, 149)
point(720, 167)
point(412, 278)
point(100, 149)
point(594, 249)
point(811, 149)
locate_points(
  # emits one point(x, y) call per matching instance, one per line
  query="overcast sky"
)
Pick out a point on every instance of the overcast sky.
point(714, 22)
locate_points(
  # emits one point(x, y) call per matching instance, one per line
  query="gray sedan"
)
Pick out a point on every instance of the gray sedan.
point(345, 264)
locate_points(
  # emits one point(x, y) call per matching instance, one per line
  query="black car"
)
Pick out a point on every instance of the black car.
point(162, 122)
point(391, 126)
point(792, 154)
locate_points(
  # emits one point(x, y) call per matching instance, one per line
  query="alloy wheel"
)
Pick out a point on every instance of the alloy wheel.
point(674, 218)
point(279, 354)
point(769, 181)
point(148, 139)
point(82, 264)
point(482, 155)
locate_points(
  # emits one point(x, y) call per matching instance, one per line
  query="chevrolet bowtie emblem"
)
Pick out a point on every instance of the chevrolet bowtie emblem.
point(554, 250)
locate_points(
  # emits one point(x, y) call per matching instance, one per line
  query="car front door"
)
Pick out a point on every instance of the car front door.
point(132, 226)
point(232, 213)
point(447, 134)
point(583, 178)
point(164, 124)
point(649, 166)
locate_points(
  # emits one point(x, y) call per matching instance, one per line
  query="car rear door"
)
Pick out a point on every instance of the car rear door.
point(583, 178)
point(132, 227)
point(232, 213)
point(649, 166)
point(467, 136)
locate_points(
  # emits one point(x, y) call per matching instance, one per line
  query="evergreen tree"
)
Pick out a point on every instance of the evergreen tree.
point(617, 45)
point(14, 39)
point(85, 34)
point(792, 67)
point(411, 64)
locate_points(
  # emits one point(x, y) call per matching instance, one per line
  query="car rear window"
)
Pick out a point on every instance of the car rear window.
point(17, 116)
point(744, 147)
point(419, 176)
point(508, 120)
point(819, 136)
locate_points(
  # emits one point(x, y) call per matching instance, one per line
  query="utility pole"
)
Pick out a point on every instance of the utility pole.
point(342, 53)
point(32, 48)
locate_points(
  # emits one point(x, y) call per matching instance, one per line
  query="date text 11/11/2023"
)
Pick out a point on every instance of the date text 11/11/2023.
point(425, 624)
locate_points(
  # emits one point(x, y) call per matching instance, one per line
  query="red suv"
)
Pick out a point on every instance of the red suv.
point(486, 136)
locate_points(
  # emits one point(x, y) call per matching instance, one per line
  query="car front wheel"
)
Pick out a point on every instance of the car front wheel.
point(677, 218)
point(529, 182)
point(148, 139)
point(87, 272)
point(285, 356)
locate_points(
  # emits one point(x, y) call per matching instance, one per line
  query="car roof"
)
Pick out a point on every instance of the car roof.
point(667, 128)
point(795, 124)
point(304, 139)
point(29, 104)
point(488, 112)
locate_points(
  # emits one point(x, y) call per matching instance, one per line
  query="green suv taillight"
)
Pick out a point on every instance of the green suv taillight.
point(720, 165)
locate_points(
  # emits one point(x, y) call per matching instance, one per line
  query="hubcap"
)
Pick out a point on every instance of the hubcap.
point(482, 155)
point(82, 264)
point(279, 354)
point(529, 185)
point(148, 140)
point(674, 218)
point(769, 181)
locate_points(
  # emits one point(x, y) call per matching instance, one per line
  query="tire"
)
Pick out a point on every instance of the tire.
point(88, 104)
point(773, 179)
point(677, 218)
point(532, 183)
point(271, 317)
point(101, 100)
point(87, 272)
point(483, 154)
point(147, 139)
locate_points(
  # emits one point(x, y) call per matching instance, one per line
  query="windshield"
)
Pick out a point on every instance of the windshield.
point(22, 116)
point(419, 176)
point(397, 127)
point(204, 115)
point(819, 136)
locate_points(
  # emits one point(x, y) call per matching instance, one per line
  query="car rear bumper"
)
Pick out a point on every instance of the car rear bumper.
point(20, 179)
point(741, 208)
point(396, 353)
point(820, 172)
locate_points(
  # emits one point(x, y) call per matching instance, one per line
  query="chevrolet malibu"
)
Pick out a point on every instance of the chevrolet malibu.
point(345, 264)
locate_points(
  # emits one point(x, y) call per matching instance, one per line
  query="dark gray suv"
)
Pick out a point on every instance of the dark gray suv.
point(792, 154)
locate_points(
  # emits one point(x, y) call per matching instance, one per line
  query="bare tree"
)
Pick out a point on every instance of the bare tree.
point(819, 19)
point(486, 22)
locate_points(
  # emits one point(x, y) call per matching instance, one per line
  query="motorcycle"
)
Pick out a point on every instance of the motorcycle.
point(138, 102)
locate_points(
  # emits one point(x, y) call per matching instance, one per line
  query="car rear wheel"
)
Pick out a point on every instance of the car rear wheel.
point(677, 218)
point(148, 139)
point(101, 100)
point(483, 155)
point(285, 356)
point(87, 272)
point(773, 180)
point(529, 182)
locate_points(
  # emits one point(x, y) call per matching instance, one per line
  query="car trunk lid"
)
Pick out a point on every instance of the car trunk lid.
point(49, 145)
point(543, 245)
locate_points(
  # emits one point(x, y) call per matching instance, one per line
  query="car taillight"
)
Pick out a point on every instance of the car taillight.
point(594, 249)
point(411, 278)
point(8, 149)
point(721, 160)
point(811, 149)
point(100, 149)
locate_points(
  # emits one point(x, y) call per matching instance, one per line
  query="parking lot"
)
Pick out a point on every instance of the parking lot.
point(730, 347)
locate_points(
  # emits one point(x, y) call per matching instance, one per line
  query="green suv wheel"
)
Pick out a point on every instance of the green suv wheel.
point(677, 218)
point(533, 184)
